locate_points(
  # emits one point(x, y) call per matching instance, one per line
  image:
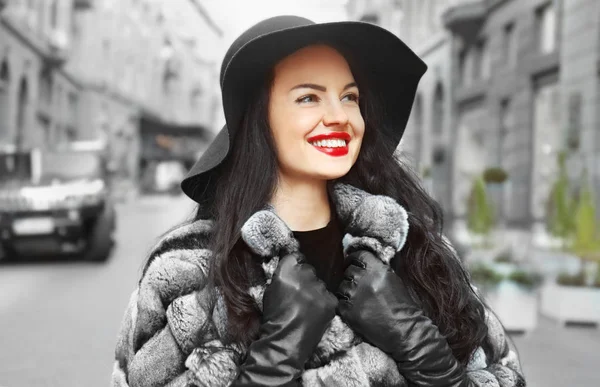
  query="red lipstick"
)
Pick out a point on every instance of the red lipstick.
point(331, 151)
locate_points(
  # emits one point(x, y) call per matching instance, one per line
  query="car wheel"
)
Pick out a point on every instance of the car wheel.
point(100, 241)
point(7, 253)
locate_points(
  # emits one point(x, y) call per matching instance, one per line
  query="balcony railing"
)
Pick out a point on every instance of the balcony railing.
point(82, 4)
point(465, 19)
point(57, 52)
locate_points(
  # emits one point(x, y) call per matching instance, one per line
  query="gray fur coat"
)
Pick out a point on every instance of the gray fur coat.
point(173, 329)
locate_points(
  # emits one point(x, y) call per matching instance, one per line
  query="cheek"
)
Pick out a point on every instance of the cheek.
point(358, 126)
point(290, 131)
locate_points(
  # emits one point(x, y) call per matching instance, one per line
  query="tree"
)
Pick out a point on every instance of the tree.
point(583, 238)
point(561, 204)
point(480, 210)
point(586, 239)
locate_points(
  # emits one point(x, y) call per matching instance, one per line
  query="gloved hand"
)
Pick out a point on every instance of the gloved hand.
point(297, 309)
point(375, 303)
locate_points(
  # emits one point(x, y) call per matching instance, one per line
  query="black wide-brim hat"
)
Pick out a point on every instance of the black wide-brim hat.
point(387, 65)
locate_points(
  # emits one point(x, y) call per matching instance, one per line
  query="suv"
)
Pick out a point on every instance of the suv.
point(56, 202)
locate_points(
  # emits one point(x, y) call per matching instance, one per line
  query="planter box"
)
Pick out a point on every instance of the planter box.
point(515, 306)
point(571, 304)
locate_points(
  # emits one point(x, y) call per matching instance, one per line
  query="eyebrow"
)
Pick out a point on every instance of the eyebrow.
point(319, 87)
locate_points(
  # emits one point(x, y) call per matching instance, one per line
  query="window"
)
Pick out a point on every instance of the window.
point(573, 132)
point(4, 74)
point(417, 116)
point(45, 88)
point(54, 14)
point(73, 99)
point(41, 16)
point(22, 112)
point(58, 105)
point(482, 61)
point(506, 125)
point(509, 45)
point(546, 28)
point(465, 63)
point(548, 132)
point(438, 111)
point(4, 101)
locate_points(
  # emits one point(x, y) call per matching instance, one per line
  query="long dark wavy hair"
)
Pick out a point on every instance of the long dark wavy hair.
point(246, 182)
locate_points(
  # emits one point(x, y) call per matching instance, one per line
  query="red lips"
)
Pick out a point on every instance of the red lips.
point(337, 151)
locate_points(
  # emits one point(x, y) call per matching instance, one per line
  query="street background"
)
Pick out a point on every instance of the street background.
point(504, 133)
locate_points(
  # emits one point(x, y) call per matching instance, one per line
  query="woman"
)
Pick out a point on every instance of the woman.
point(315, 257)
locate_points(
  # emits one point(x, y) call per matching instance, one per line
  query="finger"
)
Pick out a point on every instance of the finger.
point(369, 261)
point(286, 263)
point(348, 286)
point(342, 296)
point(300, 258)
point(344, 308)
point(334, 300)
point(307, 269)
point(354, 272)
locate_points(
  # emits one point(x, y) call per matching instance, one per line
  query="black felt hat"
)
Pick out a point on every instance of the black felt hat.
point(387, 65)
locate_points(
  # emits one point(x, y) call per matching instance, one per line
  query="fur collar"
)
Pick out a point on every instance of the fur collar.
point(377, 223)
point(174, 319)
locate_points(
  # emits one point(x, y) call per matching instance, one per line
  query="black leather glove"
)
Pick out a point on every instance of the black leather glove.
point(297, 309)
point(375, 303)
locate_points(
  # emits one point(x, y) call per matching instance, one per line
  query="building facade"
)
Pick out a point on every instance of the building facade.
point(510, 85)
point(37, 97)
point(427, 140)
point(81, 70)
point(526, 89)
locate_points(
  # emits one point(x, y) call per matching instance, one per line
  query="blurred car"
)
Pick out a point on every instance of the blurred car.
point(168, 176)
point(56, 202)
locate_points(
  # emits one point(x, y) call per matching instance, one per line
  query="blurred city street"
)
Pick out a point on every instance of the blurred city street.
point(105, 105)
point(59, 320)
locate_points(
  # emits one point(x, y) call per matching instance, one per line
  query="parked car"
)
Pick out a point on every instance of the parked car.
point(56, 202)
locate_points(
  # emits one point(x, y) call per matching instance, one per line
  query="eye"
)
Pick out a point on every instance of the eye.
point(351, 97)
point(307, 99)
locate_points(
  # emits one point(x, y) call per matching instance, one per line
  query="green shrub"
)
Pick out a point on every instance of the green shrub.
point(586, 241)
point(597, 279)
point(495, 175)
point(561, 204)
point(480, 211)
point(505, 257)
point(567, 279)
point(525, 279)
point(484, 275)
point(426, 172)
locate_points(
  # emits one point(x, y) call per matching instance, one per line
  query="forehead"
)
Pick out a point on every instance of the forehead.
point(312, 61)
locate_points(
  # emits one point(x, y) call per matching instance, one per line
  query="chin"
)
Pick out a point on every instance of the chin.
point(333, 173)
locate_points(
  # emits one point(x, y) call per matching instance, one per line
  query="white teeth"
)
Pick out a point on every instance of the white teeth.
point(337, 143)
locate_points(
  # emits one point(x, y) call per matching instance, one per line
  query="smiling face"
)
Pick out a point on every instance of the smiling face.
point(314, 115)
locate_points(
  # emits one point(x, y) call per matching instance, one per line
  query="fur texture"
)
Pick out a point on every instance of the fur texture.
point(174, 328)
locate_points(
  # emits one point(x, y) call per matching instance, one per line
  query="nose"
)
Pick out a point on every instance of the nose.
point(335, 114)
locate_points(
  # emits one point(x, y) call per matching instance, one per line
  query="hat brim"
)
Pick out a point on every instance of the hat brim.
point(388, 66)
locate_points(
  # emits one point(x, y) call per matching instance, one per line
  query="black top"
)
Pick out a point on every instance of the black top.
point(323, 250)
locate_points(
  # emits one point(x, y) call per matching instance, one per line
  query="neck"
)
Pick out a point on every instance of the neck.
point(302, 204)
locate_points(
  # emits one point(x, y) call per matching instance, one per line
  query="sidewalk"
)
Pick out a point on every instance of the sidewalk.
point(557, 356)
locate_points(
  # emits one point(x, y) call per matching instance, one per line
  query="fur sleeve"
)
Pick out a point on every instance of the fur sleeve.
point(496, 363)
point(169, 315)
point(124, 349)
